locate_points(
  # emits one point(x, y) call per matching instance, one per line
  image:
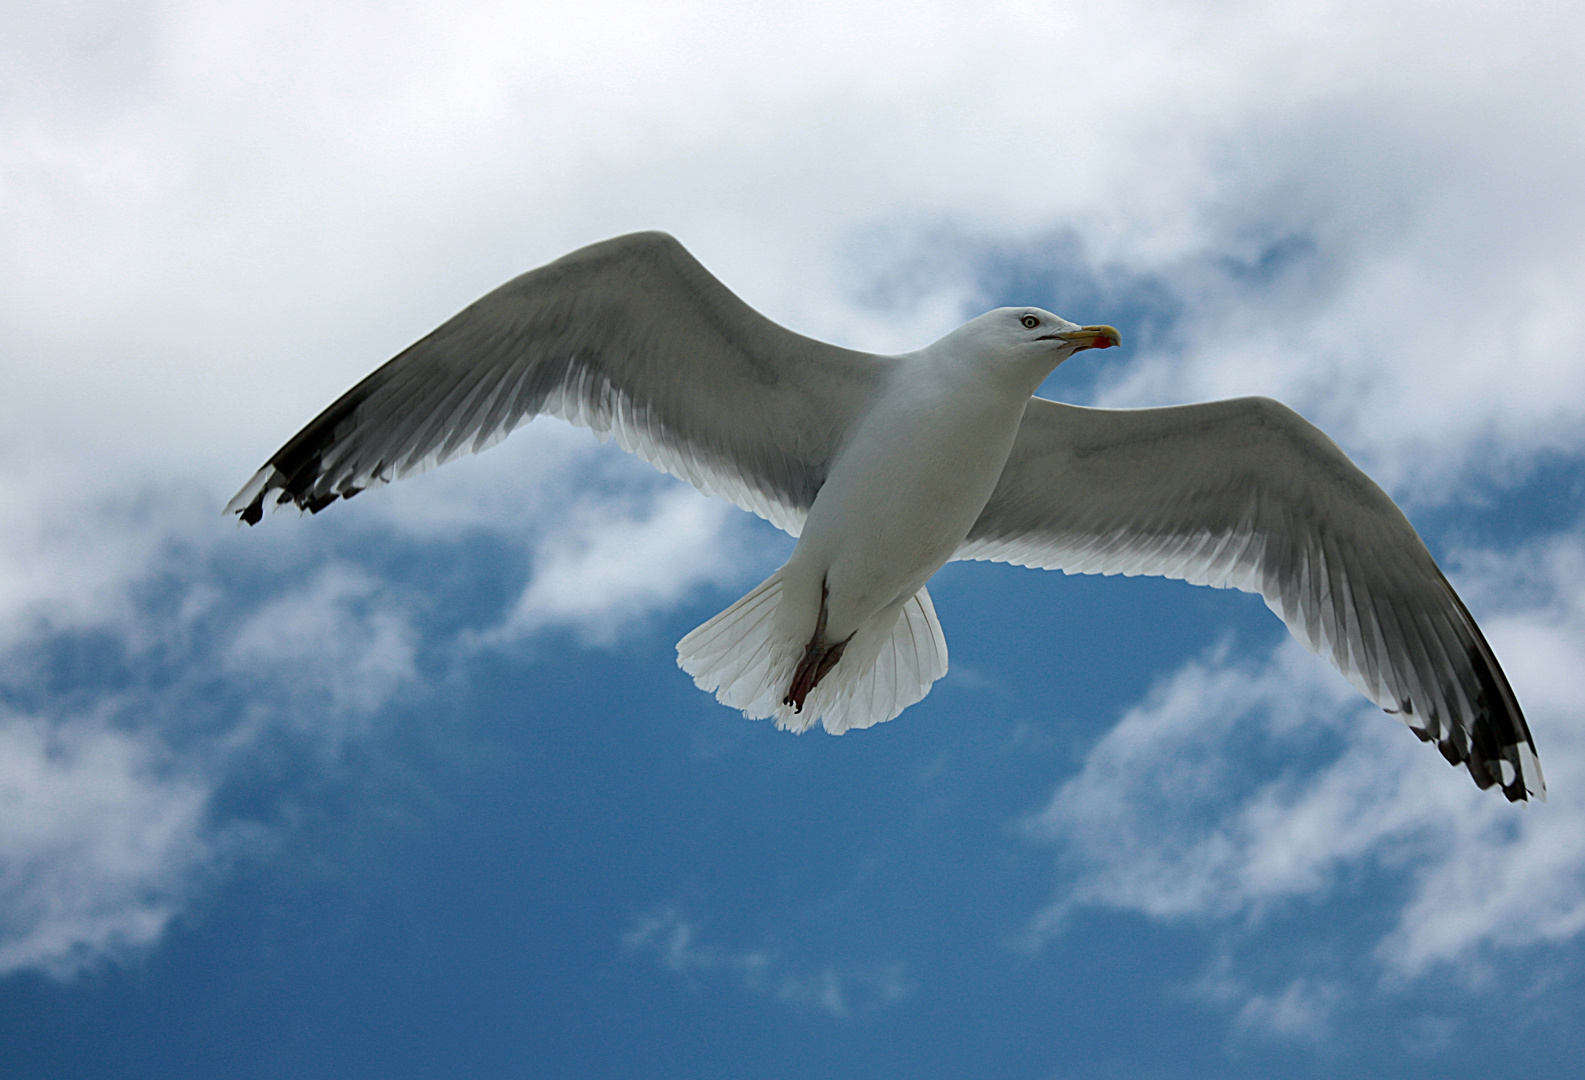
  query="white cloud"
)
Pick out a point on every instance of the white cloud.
point(837, 990)
point(1301, 1010)
point(223, 214)
point(217, 216)
point(66, 562)
point(207, 197)
point(108, 778)
point(609, 563)
point(1147, 821)
point(99, 842)
point(1500, 885)
point(332, 640)
point(107, 829)
point(1244, 792)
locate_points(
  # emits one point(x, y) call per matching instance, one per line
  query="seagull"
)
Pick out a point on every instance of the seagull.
point(887, 467)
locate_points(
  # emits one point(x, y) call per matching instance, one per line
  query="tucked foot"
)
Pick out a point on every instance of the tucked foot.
point(819, 657)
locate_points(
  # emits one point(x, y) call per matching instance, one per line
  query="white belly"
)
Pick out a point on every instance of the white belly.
point(899, 502)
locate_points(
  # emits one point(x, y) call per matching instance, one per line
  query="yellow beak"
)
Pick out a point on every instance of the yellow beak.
point(1092, 337)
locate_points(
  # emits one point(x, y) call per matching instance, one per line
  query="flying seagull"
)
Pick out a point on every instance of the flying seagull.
point(886, 467)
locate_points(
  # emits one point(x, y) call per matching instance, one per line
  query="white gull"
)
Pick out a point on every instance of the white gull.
point(886, 467)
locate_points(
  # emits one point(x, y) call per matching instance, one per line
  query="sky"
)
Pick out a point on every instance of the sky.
point(414, 788)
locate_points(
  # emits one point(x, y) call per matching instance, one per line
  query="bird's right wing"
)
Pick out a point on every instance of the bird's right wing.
point(1247, 494)
point(631, 338)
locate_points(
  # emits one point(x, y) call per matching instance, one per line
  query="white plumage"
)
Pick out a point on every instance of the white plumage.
point(886, 467)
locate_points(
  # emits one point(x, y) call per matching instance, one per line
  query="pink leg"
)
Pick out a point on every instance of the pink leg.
point(818, 658)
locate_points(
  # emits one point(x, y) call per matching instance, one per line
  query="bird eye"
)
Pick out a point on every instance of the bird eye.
point(1030, 321)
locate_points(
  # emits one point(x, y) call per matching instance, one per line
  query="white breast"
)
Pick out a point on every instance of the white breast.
point(904, 494)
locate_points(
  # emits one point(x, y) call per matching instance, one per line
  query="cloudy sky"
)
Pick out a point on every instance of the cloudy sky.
point(414, 788)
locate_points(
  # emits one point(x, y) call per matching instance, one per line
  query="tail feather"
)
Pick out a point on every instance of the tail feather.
point(747, 660)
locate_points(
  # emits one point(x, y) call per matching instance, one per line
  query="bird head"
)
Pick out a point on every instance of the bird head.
point(1028, 336)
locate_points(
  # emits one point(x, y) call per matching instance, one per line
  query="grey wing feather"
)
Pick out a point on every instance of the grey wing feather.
point(631, 338)
point(1247, 494)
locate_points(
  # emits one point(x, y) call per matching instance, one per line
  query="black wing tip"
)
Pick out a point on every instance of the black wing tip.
point(296, 469)
point(1497, 747)
point(1500, 740)
point(315, 503)
point(298, 490)
point(1485, 758)
point(253, 513)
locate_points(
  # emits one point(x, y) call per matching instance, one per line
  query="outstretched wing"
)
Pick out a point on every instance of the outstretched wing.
point(631, 338)
point(1247, 494)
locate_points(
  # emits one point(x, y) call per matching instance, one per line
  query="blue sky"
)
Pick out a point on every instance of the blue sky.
point(414, 788)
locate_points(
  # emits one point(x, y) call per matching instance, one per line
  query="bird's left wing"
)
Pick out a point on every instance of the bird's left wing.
point(1247, 494)
point(631, 338)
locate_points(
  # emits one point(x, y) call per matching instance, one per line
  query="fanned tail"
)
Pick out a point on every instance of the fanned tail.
point(746, 657)
point(737, 656)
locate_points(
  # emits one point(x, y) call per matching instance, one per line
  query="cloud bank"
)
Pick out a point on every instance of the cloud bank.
point(1252, 791)
point(217, 216)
